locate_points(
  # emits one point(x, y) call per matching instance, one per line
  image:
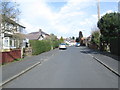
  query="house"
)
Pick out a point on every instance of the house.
point(40, 35)
point(11, 33)
point(11, 39)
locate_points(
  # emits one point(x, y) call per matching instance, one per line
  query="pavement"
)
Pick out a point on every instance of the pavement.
point(13, 70)
point(110, 61)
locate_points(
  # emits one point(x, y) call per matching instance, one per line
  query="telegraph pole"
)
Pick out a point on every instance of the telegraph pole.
point(98, 8)
point(98, 11)
point(119, 6)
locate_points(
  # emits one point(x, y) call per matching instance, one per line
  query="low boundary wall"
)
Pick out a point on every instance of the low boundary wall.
point(10, 56)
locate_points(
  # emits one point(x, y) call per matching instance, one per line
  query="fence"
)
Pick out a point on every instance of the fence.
point(115, 46)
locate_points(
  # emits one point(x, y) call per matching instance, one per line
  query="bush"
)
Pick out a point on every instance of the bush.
point(39, 47)
point(96, 37)
point(55, 44)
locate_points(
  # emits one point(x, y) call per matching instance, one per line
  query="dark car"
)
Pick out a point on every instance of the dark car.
point(77, 44)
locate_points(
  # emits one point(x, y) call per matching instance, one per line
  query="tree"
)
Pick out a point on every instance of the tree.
point(10, 10)
point(96, 38)
point(73, 38)
point(80, 38)
point(77, 39)
point(53, 37)
point(109, 25)
point(80, 34)
point(61, 39)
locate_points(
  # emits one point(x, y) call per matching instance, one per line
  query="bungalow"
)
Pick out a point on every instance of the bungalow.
point(40, 35)
point(11, 38)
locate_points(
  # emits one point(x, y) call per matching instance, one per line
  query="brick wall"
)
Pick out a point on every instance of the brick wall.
point(10, 56)
point(0, 57)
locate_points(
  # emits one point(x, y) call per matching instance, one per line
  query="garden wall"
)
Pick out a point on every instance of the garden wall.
point(10, 56)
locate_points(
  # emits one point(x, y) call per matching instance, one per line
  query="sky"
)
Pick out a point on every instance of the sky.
point(63, 17)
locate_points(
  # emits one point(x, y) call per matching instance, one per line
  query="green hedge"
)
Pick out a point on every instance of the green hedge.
point(41, 46)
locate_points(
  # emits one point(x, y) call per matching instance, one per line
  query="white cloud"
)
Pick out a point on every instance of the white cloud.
point(59, 0)
point(68, 21)
point(29, 27)
point(60, 22)
point(109, 11)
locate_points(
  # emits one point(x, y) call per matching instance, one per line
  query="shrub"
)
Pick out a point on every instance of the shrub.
point(56, 44)
point(96, 38)
point(39, 47)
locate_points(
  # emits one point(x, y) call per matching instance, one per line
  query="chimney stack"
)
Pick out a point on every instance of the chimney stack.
point(40, 30)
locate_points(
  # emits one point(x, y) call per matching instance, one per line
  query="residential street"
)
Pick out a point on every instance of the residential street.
point(70, 68)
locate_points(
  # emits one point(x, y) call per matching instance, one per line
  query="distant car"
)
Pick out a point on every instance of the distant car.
point(62, 46)
point(77, 44)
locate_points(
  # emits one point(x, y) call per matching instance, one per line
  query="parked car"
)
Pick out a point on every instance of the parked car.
point(62, 46)
point(77, 44)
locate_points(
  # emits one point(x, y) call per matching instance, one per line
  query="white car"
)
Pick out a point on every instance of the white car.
point(62, 46)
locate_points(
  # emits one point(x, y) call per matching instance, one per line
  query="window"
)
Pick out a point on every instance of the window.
point(6, 41)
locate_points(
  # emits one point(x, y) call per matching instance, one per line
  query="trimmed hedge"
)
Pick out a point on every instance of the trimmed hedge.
point(41, 46)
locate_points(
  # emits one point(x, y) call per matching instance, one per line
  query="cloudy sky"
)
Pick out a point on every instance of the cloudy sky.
point(63, 17)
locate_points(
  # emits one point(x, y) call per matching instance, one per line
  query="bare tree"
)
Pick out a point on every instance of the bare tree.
point(10, 10)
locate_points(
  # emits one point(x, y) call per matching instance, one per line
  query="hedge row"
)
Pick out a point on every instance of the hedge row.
point(39, 47)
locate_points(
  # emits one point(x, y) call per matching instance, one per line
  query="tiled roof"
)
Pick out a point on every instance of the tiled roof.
point(33, 36)
point(36, 35)
point(4, 18)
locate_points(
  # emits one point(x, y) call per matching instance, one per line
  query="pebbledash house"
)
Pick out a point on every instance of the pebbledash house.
point(11, 39)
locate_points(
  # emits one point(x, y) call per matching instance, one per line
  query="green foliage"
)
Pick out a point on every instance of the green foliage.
point(73, 38)
point(43, 45)
point(53, 41)
point(95, 37)
point(77, 39)
point(109, 25)
point(61, 40)
point(80, 34)
point(53, 37)
point(19, 59)
point(39, 46)
point(56, 44)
